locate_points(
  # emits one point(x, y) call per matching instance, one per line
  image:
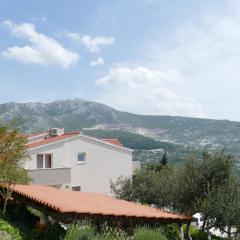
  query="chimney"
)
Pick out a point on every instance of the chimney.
point(56, 131)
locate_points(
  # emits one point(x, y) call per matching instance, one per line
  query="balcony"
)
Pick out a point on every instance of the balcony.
point(51, 176)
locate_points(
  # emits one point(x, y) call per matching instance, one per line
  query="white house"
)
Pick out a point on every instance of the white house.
point(75, 160)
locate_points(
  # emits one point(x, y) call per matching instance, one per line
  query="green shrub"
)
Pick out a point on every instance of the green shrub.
point(106, 232)
point(197, 234)
point(6, 227)
point(171, 231)
point(84, 232)
point(149, 234)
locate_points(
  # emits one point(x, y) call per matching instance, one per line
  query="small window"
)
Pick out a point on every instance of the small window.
point(82, 157)
point(77, 188)
point(40, 161)
point(48, 161)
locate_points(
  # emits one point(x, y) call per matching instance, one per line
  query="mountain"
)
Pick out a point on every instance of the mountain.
point(184, 132)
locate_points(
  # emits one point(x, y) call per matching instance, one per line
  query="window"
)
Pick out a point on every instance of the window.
point(48, 160)
point(44, 161)
point(81, 157)
point(40, 161)
point(77, 188)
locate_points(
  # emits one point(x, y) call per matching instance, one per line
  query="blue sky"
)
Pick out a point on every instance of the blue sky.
point(142, 56)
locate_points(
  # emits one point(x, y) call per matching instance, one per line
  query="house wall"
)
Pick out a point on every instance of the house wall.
point(58, 155)
point(103, 162)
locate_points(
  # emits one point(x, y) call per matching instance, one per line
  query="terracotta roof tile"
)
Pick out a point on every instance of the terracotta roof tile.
point(113, 141)
point(52, 139)
point(66, 201)
point(30, 135)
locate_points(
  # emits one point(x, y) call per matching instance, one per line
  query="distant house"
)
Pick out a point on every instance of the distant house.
point(76, 161)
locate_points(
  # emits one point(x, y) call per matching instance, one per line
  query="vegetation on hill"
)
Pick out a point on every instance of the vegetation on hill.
point(131, 140)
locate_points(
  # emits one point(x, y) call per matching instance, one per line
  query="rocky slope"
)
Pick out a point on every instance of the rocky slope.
point(80, 114)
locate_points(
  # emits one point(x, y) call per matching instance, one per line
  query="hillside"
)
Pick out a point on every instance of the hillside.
point(131, 140)
point(187, 133)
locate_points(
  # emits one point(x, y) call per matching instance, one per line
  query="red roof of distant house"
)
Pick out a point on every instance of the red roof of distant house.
point(52, 139)
point(113, 141)
point(30, 135)
point(65, 201)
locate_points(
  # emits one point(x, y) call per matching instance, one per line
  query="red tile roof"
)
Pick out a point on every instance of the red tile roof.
point(30, 135)
point(65, 201)
point(113, 141)
point(52, 139)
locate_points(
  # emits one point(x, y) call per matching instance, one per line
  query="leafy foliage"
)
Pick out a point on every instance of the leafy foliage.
point(148, 234)
point(6, 227)
point(208, 186)
point(13, 154)
point(87, 231)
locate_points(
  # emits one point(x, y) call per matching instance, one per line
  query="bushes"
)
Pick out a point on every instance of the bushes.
point(6, 227)
point(88, 232)
point(200, 235)
point(23, 220)
point(85, 232)
point(148, 234)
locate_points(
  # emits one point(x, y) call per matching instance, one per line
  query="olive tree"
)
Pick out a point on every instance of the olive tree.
point(13, 154)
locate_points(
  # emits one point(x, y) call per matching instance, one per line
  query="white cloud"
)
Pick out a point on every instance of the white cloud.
point(73, 35)
point(208, 51)
point(98, 61)
point(41, 50)
point(93, 44)
point(145, 91)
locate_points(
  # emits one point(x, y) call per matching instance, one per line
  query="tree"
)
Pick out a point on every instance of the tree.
point(196, 181)
point(222, 206)
point(164, 159)
point(147, 186)
point(197, 185)
point(13, 154)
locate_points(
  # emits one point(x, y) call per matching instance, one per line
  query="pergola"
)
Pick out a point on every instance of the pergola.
point(68, 206)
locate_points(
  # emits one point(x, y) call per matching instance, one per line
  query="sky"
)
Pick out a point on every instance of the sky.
point(155, 57)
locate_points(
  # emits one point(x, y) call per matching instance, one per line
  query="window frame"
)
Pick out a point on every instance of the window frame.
point(37, 159)
point(51, 163)
point(76, 189)
point(84, 157)
point(44, 160)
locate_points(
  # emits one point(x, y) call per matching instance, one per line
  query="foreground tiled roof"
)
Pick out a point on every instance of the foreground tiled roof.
point(65, 201)
point(52, 139)
point(113, 141)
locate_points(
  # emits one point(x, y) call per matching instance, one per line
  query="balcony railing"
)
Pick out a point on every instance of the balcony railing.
point(51, 176)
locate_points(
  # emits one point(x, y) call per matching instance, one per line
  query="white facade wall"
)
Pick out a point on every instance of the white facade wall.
point(103, 163)
point(58, 155)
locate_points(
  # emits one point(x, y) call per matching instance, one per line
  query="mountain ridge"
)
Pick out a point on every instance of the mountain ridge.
point(80, 114)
